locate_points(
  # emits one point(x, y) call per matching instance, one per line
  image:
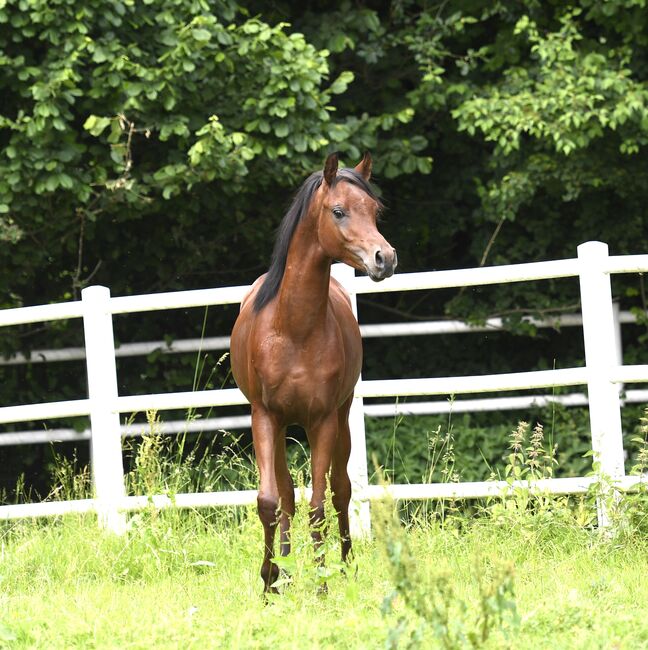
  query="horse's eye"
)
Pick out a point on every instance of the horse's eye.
point(338, 213)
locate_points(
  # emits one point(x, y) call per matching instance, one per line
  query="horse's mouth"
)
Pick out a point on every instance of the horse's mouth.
point(378, 268)
point(380, 275)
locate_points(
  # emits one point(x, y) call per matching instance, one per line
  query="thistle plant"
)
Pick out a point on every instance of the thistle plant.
point(529, 460)
point(515, 468)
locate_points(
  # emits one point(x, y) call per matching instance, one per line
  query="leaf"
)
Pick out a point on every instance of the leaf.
point(300, 142)
point(96, 125)
point(203, 563)
point(280, 582)
point(52, 182)
point(342, 82)
point(238, 138)
point(286, 562)
point(65, 181)
point(201, 35)
point(339, 42)
point(99, 55)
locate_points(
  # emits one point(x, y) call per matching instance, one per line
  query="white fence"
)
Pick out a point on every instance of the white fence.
point(388, 409)
point(602, 374)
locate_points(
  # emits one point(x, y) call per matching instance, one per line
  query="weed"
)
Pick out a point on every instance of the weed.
point(426, 602)
point(528, 460)
point(440, 466)
point(20, 494)
point(633, 508)
point(641, 462)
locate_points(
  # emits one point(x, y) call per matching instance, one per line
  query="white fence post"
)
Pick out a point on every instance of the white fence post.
point(105, 442)
point(360, 516)
point(601, 355)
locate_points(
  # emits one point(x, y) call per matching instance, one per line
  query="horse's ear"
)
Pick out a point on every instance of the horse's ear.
point(331, 168)
point(364, 166)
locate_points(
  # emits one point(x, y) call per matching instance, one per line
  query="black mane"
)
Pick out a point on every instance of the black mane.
point(286, 230)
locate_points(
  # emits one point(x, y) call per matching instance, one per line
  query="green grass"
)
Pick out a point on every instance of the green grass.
point(185, 580)
point(527, 572)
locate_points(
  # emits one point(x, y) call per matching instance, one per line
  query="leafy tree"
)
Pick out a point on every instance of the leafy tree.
point(154, 145)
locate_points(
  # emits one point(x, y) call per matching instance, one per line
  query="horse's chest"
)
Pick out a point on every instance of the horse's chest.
point(301, 380)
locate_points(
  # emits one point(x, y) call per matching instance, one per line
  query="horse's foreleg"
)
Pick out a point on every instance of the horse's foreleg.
point(265, 433)
point(340, 483)
point(286, 495)
point(322, 439)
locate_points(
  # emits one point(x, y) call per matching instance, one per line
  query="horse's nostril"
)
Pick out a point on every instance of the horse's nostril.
point(380, 260)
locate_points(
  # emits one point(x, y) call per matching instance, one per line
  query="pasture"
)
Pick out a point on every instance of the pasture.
point(529, 572)
point(532, 570)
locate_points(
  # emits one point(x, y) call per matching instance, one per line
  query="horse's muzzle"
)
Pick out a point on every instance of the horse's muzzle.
point(383, 264)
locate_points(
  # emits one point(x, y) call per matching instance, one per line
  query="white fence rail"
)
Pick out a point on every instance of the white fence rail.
point(382, 330)
point(388, 409)
point(602, 374)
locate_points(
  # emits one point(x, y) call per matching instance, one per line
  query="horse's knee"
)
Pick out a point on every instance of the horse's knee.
point(268, 507)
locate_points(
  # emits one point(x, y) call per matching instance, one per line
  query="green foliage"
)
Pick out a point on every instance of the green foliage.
point(596, 88)
point(118, 105)
point(477, 447)
point(152, 146)
point(120, 115)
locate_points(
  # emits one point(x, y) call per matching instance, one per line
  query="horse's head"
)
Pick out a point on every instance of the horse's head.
point(347, 217)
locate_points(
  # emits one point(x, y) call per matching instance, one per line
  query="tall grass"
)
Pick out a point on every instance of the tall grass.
point(163, 464)
point(190, 579)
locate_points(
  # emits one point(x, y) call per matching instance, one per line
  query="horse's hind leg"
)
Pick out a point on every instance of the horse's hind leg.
point(340, 483)
point(265, 432)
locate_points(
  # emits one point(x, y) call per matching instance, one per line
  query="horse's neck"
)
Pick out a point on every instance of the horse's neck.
point(304, 291)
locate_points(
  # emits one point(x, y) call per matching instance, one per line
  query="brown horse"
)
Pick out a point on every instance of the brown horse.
point(296, 350)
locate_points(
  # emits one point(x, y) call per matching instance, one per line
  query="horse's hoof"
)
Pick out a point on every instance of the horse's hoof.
point(269, 591)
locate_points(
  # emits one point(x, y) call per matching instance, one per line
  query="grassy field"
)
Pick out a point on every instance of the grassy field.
point(526, 572)
point(506, 579)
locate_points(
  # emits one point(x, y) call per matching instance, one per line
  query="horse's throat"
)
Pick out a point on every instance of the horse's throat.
point(304, 291)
